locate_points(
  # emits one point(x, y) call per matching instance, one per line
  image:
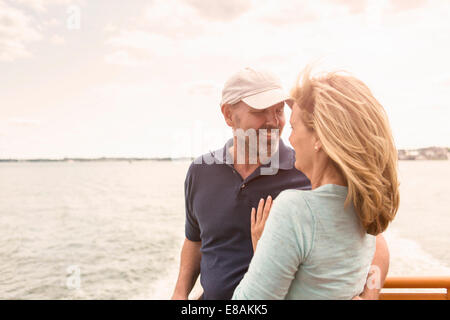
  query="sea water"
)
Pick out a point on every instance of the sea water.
point(114, 230)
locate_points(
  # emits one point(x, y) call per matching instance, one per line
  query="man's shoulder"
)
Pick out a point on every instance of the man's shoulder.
point(205, 161)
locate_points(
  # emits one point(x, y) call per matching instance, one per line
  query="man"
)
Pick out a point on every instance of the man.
point(221, 188)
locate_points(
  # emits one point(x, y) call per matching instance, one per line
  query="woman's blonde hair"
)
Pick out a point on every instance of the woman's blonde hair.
point(355, 133)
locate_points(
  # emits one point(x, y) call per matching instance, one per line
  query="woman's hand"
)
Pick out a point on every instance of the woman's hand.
point(258, 219)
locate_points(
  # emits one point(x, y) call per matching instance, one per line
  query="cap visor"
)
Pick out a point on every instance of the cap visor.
point(267, 99)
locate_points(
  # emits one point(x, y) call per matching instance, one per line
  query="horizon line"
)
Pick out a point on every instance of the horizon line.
point(130, 158)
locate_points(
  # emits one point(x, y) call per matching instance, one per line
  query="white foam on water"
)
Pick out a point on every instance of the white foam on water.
point(163, 287)
point(408, 258)
point(160, 289)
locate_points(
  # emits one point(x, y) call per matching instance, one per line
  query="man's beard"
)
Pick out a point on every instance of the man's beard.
point(268, 146)
point(257, 144)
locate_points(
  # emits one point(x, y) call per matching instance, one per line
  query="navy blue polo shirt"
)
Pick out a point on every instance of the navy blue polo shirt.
point(218, 209)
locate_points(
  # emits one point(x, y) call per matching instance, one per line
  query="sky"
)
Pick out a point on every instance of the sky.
point(108, 78)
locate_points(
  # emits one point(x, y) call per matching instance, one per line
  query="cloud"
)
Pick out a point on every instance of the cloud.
point(219, 9)
point(354, 6)
point(16, 32)
point(443, 81)
point(172, 18)
point(57, 39)
point(42, 5)
point(203, 88)
point(53, 22)
point(108, 28)
point(37, 5)
point(402, 5)
point(285, 15)
point(171, 31)
point(23, 122)
point(162, 31)
point(137, 47)
point(193, 30)
point(128, 58)
point(392, 6)
point(293, 12)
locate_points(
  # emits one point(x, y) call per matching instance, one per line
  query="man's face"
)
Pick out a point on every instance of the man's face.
point(268, 124)
point(246, 117)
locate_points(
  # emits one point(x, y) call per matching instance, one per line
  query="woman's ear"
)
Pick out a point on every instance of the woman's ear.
point(227, 114)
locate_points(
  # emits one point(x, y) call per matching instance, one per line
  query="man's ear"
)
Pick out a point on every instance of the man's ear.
point(227, 114)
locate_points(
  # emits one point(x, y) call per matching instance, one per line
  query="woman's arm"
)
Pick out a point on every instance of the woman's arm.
point(280, 252)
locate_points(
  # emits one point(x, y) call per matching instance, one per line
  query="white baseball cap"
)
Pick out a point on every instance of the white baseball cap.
point(259, 89)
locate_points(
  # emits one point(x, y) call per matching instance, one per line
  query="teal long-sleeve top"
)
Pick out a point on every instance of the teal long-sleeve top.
point(312, 247)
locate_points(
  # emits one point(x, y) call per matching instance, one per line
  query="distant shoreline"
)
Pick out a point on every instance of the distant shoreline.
point(429, 153)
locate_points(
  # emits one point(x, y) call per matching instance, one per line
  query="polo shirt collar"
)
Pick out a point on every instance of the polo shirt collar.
point(286, 155)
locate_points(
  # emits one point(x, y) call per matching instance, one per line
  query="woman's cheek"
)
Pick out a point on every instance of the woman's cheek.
point(293, 140)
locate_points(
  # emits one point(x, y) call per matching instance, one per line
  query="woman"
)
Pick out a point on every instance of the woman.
point(319, 244)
